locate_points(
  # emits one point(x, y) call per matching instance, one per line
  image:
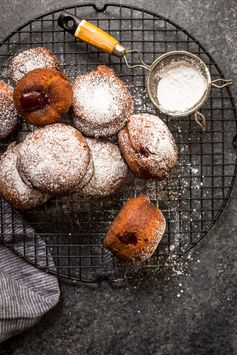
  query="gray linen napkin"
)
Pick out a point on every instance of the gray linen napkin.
point(26, 293)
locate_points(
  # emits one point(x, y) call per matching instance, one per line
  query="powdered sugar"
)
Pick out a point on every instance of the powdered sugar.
point(31, 59)
point(8, 113)
point(180, 87)
point(12, 187)
point(54, 159)
point(102, 103)
point(99, 98)
point(109, 168)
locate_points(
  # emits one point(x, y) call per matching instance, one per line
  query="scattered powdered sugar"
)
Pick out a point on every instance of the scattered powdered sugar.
point(194, 170)
point(101, 103)
point(141, 100)
point(180, 87)
point(8, 113)
point(31, 59)
point(54, 159)
point(110, 170)
point(12, 187)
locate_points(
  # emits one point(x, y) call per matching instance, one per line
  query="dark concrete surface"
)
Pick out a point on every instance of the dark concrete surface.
point(189, 312)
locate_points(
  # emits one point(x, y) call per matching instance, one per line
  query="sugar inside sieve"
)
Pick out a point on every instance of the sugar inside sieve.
point(178, 84)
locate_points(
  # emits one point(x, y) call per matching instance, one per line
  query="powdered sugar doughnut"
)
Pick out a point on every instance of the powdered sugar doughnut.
point(12, 187)
point(101, 103)
point(54, 159)
point(8, 113)
point(148, 146)
point(109, 168)
point(31, 59)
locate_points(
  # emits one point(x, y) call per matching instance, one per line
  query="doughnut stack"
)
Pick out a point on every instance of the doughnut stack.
point(57, 159)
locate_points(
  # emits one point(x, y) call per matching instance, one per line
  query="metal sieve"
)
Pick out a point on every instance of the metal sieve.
point(98, 38)
point(167, 60)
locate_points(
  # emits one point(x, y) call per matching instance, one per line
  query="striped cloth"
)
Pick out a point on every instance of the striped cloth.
point(26, 293)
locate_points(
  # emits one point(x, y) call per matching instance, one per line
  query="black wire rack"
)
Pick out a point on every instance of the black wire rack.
point(192, 198)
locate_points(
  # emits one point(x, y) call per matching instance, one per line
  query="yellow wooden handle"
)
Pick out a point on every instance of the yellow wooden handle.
point(90, 33)
point(98, 38)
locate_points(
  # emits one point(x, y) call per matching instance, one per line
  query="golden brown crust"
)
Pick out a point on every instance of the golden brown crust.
point(51, 83)
point(136, 231)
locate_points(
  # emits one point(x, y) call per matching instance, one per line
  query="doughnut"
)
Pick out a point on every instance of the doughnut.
point(148, 146)
point(54, 159)
point(101, 103)
point(42, 96)
point(12, 187)
point(136, 231)
point(110, 169)
point(31, 59)
point(8, 113)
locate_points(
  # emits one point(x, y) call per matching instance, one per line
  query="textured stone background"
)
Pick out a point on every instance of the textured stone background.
point(193, 312)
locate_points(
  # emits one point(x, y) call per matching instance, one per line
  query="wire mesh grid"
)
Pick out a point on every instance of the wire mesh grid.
point(192, 198)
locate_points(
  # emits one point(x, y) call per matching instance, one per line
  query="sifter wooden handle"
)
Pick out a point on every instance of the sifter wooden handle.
point(91, 34)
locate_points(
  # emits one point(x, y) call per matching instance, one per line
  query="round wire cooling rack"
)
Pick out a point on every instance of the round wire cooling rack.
point(71, 228)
